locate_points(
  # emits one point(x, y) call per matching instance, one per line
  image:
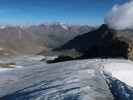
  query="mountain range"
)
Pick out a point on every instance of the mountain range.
point(35, 38)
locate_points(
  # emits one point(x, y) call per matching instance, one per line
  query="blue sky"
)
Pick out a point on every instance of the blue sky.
point(89, 12)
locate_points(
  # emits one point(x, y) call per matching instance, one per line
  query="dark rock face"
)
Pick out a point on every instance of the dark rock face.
point(60, 59)
point(102, 42)
point(115, 49)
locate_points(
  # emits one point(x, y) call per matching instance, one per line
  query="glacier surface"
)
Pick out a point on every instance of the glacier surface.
point(91, 79)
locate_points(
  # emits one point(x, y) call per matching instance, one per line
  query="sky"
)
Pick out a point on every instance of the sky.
point(88, 12)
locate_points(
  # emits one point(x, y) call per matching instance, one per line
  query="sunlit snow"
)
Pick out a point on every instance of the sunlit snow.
point(122, 71)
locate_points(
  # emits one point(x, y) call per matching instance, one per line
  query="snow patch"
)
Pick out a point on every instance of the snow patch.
point(121, 71)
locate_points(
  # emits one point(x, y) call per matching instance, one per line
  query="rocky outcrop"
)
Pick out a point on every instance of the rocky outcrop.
point(7, 65)
point(61, 58)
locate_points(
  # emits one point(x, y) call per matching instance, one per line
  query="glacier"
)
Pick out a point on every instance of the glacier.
point(91, 79)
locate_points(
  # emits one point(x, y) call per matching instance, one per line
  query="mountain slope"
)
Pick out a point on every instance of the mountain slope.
point(102, 42)
point(82, 42)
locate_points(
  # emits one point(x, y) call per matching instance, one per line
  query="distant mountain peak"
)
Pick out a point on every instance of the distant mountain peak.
point(103, 27)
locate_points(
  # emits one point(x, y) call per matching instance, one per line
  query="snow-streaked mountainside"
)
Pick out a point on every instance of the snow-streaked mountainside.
point(92, 79)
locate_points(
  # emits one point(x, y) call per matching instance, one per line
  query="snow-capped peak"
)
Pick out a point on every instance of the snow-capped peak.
point(64, 26)
point(3, 27)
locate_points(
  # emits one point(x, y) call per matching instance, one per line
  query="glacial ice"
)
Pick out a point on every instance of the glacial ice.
point(73, 80)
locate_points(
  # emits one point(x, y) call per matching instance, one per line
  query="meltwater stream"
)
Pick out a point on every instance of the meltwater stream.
point(73, 80)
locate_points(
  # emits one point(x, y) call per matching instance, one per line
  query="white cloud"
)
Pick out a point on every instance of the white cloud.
point(121, 16)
